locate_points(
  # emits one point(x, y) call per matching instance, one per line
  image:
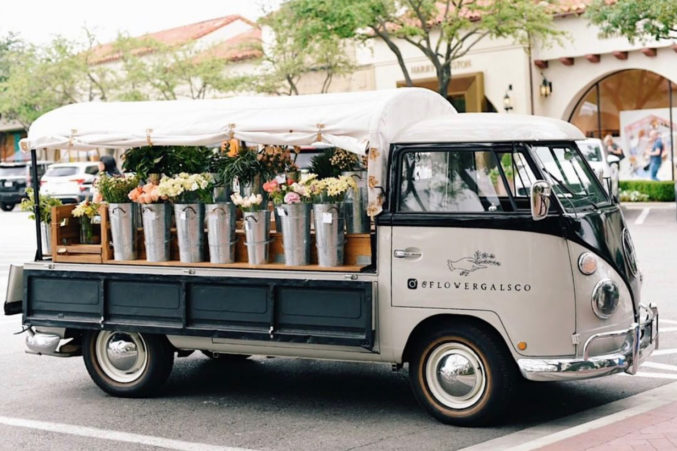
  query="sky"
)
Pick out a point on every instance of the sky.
point(38, 21)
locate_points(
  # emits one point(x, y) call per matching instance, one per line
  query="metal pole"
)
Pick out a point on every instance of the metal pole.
point(672, 140)
point(36, 197)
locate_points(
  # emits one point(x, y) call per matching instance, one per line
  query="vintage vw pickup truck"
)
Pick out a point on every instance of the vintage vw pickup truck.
point(495, 254)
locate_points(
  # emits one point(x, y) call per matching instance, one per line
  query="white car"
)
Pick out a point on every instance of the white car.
point(70, 182)
point(594, 153)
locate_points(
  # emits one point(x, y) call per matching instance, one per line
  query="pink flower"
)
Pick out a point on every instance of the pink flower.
point(271, 186)
point(98, 198)
point(292, 198)
point(135, 193)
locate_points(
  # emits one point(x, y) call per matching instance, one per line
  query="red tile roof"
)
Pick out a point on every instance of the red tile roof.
point(241, 47)
point(173, 37)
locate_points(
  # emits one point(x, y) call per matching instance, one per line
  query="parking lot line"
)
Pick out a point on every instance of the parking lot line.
point(659, 366)
point(642, 216)
point(664, 352)
point(107, 434)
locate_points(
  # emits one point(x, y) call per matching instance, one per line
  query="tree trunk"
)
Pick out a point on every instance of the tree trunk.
point(398, 54)
point(443, 79)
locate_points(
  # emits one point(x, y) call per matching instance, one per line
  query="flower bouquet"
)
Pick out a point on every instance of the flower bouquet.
point(328, 195)
point(122, 212)
point(292, 210)
point(157, 219)
point(188, 193)
point(355, 205)
point(256, 226)
point(86, 211)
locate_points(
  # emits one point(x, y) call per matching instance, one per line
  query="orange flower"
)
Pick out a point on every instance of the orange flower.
point(234, 148)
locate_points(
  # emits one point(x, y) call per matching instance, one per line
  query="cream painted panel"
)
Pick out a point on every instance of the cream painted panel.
point(587, 323)
point(525, 278)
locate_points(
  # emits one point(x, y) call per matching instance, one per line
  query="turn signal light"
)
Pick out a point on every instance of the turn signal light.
point(587, 263)
point(522, 345)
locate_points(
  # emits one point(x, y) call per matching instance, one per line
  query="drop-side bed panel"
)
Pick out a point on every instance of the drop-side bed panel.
point(287, 310)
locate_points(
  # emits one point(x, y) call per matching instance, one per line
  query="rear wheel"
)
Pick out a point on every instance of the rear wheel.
point(127, 364)
point(6, 207)
point(462, 375)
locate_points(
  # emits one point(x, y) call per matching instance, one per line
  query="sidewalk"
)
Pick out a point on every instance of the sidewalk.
point(645, 421)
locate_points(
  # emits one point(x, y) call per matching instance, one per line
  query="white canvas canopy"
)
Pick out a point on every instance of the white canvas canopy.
point(356, 121)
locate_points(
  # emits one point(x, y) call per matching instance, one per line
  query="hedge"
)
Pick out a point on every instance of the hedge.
point(657, 191)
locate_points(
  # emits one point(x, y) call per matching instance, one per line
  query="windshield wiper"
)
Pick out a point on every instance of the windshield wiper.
point(566, 188)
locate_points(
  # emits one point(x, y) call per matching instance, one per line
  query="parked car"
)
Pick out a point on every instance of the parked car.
point(70, 182)
point(14, 178)
point(593, 152)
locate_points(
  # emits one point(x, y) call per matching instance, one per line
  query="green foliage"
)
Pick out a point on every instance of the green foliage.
point(321, 165)
point(115, 190)
point(442, 31)
point(663, 191)
point(296, 49)
point(632, 196)
point(245, 166)
point(46, 204)
point(168, 160)
point(635, 19)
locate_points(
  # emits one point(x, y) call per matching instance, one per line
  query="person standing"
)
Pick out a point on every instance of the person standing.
point(656, 154)
point(108, 166)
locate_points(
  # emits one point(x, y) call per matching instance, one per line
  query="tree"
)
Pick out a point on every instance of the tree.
point(152, 69)
point(635, 19)
point(293, 52)
point(443, 31)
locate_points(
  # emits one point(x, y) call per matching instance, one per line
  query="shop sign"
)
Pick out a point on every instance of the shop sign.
point(455, 65)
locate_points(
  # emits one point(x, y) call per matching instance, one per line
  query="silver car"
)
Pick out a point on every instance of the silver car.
point(70, 182)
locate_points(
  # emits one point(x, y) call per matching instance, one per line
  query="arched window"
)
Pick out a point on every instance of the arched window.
point(628, 105)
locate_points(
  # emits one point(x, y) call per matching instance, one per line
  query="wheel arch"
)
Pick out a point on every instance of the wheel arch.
point(491, 325)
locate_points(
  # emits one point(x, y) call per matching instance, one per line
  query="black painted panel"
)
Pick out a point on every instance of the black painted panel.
point(228, 303)
point(148, 300)
point(321, 307)
point(56, 295)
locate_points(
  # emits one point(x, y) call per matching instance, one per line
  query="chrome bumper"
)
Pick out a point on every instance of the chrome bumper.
point(640, 340)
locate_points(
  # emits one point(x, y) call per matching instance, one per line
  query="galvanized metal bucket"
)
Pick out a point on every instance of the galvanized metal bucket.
point(329, 234)
point(221, 232)
point(257, 231)
point(190, 220)
point(355, 206)
point(157, 219)
point(123, 230)
point(46, 236)
point(295, 220)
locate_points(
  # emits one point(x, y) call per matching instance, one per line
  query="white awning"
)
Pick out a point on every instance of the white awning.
point(354, 121)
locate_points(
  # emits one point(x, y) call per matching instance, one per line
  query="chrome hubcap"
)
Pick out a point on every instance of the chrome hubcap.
point(455, 375)
point(122, 356)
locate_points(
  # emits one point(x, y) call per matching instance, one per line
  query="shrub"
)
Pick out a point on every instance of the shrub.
point(656, 191)
point(632, 196)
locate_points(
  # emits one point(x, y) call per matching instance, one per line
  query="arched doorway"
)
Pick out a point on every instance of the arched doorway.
point(629, 105)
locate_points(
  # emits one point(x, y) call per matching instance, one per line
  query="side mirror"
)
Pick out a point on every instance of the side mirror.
point(540, 199)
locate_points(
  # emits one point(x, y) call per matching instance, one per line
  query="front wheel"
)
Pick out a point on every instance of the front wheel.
point(462, 375)
point(6, 207)
point(127, 364)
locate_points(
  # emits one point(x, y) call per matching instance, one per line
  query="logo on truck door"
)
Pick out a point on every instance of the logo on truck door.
point(479, 260)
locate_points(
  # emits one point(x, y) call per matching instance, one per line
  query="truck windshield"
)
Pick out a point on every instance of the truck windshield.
point(572, 180)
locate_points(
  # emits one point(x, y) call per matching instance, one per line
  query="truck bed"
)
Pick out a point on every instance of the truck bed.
point(279, 306)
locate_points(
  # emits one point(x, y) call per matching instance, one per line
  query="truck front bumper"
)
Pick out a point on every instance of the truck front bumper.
point(641, 338)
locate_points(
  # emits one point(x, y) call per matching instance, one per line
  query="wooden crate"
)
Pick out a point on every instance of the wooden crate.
point(66, 246)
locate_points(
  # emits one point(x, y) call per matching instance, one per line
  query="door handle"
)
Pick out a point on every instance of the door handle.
point(407, 253)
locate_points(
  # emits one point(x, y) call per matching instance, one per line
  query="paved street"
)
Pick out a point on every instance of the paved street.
point(290, 404)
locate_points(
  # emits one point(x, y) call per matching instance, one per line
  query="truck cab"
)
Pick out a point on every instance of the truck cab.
point(497, 254)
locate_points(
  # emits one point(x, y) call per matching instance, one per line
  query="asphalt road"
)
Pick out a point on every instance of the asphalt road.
point(292, 404)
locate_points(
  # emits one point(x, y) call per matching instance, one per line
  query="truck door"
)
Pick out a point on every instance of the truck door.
point(463, 239)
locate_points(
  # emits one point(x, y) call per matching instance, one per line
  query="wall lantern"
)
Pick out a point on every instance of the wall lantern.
point(507, 100)
point(546, 87)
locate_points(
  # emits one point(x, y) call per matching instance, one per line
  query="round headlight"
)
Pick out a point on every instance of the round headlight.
point(587, 263)
point(605, 298)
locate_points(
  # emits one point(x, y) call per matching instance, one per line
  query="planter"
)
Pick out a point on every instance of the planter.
point(123, 219)
point(257, 231)
point(86, 230)
point(355, 206)
point(221, 232)
point(156, 222)
point(295, 221)
point(329, 233)
point(190, 219)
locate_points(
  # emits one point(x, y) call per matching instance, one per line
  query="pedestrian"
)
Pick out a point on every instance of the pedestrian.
point(656, 153)
point(612, 148)
point(108, 166)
